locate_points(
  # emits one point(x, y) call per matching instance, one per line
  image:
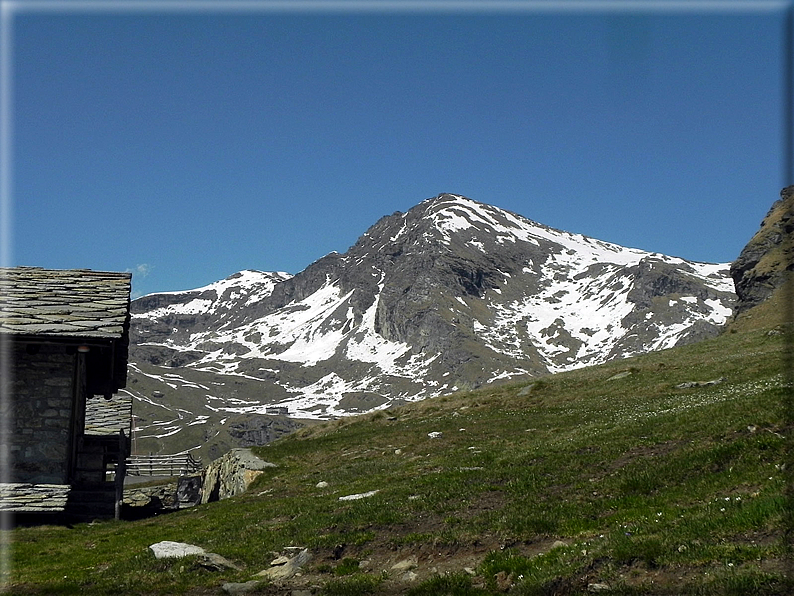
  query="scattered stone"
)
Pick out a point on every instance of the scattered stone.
point(470, 571)
point(215, 562)
point(289, 569)
point(690, 384)
point(358, 496)
point(435, 435)
point(174, 550)
point(282, 560)
point(504, 581)
point(558, 544)
point(398, 452)
point(322, 484)
point(409, 576)
point(752, 428)
point(597, 587)
point(620, 375)
point(405, 564)
point(244, 588)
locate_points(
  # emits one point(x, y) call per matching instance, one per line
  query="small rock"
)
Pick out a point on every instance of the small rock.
point(174, 550)
point(504, 581)
point(690, 384)
point(409, 576)
point(435, 435)
point(244, 588)
point(398, 452)
point(405, 564)
point(322, 484)
point(358, 496)
point(290, 568)
point(215, 562)
point(470, 571)
point(620, 375)
point(597, 587)
point(558, 544)
point(282, 560)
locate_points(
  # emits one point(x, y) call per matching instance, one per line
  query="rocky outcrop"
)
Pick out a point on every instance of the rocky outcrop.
point(168, 549)
point(251, 431)
point(231, 475)
point(762, 265)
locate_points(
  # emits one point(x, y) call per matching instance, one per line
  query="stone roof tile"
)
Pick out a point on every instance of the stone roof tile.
point(64, 302)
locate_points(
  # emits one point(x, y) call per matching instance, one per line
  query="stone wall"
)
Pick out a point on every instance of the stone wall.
point(231, 474)
point(41, 413)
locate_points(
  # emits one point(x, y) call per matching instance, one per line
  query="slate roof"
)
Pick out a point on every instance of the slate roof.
point(108, 416)
point(33, 498)
point(64, 302)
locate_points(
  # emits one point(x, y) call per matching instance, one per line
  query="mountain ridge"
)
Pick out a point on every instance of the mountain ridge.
point(452, 294)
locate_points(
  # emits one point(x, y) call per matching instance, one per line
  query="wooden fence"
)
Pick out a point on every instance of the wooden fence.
point(162, 465)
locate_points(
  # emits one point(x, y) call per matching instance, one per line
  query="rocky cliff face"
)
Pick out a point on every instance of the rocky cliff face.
point(762, 265)
point(453, 294)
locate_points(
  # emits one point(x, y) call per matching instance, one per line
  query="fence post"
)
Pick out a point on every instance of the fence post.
point(121, 472)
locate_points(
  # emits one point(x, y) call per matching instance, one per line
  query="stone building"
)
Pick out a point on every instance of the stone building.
point(64, 336)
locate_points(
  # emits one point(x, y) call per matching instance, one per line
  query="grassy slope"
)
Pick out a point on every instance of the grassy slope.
point(652, 489)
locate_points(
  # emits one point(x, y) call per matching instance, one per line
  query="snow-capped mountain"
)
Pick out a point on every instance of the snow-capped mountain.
point(453, 294)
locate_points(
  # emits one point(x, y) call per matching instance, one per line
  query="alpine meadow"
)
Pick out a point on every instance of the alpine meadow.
point(475, 404)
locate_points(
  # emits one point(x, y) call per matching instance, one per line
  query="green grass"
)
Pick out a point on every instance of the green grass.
point(652, 489)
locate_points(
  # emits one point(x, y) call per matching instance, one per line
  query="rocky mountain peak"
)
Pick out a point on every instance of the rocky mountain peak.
point(451, 294)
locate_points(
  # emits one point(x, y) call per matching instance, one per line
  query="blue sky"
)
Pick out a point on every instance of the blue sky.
point(185, 141)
